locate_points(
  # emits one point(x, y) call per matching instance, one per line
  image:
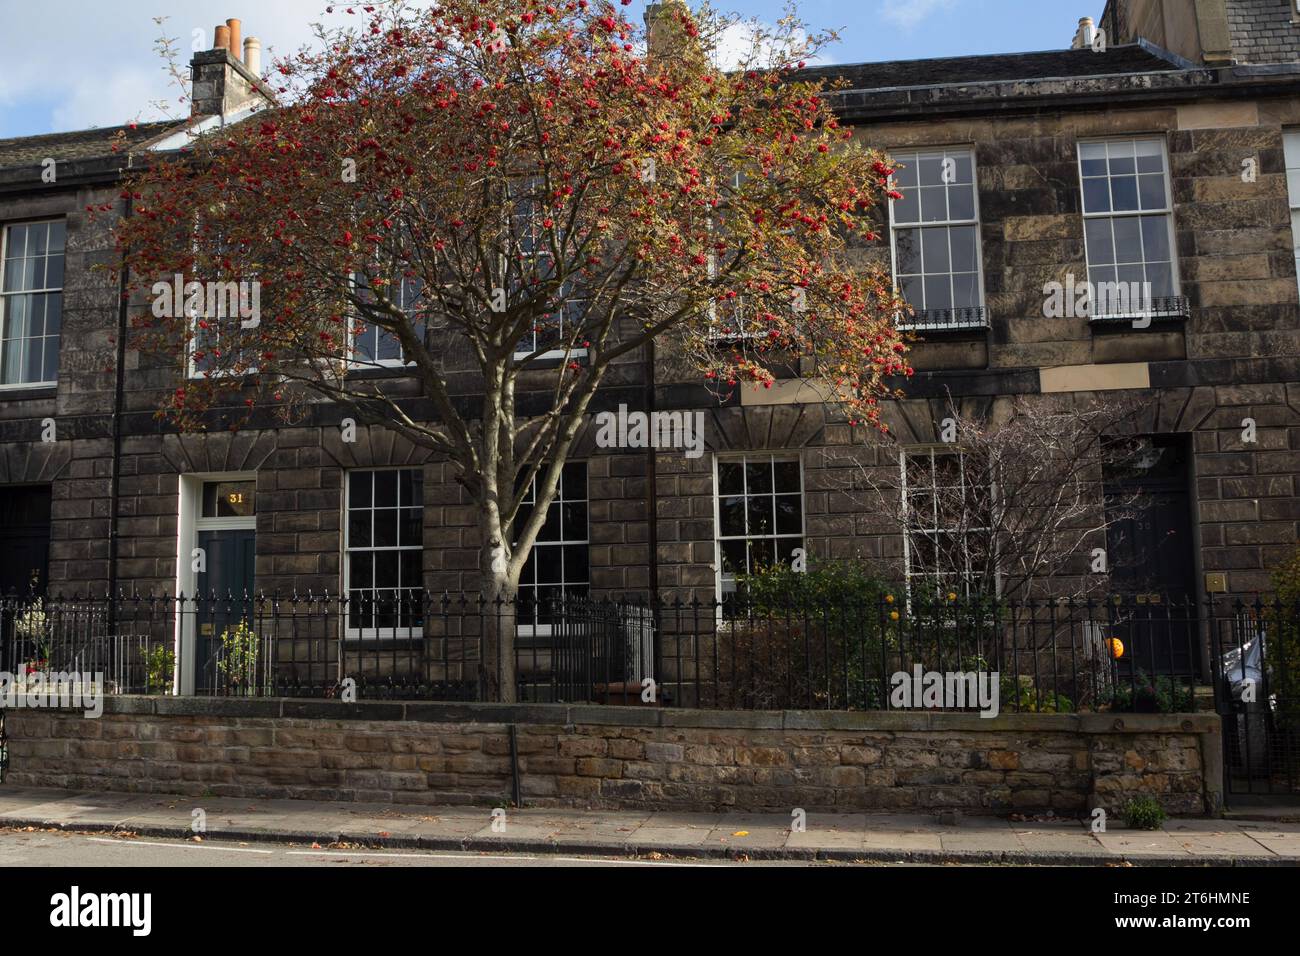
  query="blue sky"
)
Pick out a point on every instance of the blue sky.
point(73, 64)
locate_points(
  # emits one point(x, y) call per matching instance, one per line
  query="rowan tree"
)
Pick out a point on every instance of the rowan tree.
point(483, 186)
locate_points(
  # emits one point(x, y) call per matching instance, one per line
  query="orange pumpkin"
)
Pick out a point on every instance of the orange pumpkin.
point(1116, 647)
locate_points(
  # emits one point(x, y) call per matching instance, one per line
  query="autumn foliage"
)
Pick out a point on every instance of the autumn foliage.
point(713, 208)
point(511, 195)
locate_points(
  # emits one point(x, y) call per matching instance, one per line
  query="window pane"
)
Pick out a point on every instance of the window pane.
point(758, 513)
point(965, 293)
point(930, 169)
point(54, 272)
point(1155, 238)
point(577, 564)
point(359, 523)
point(905, 174)
point(963, 239)
point(228, 499)
point(731, 478)
point(913, 290)
point(938, 292)
point(575, 521)
point(787, 476)
point(412, 529)
point(1092, 158)
point(909, 251)
point(758, 477)
point(386, 574)
point(789, 514)
point(1152, 191)
point(412, 569)
point(934, 204)
point(361, 483)
point(1101, 247)
point(963, 166)
point(1150, 157)
point(907, 209)
point(1122, 165)
point(1096, 195)
point(551, 527)
point(733, 557)
point(385, 489)
point(761, 553)
point(574, 480)
point(1128, 240)
point(361, 569)
point(550, 567)
point(961, 202)
point(731, 516)
point(385, 528)
point(785, 548)
point(1123, 191)
point(934, 251)
point(1161, 277)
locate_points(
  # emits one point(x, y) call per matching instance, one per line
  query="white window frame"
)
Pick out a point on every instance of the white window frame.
point(1292, 154)
point(744, 458)
point(5, 296)
point(933, 528)
point(943, 152)
point(545, 630)
point(351, 633)
point(1167, 211)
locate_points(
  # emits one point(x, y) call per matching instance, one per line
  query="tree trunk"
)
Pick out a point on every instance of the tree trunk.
point(499, 629)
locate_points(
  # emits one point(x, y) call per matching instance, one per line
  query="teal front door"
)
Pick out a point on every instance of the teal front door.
point(225, 596)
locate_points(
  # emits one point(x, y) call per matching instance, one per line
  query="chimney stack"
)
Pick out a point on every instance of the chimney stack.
point(222, 82)
point(253, 55)
point(1084, 35)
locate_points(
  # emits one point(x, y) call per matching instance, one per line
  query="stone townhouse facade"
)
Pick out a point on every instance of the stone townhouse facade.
point(1115, 164)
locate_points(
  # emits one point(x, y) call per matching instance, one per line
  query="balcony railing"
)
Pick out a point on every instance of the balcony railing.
point(1169, 307)
point(944, 320)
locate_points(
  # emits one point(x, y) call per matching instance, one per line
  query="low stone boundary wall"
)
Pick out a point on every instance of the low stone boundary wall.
point(421, 753)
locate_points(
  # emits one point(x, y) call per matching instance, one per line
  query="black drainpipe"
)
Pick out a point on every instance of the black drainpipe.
point(118, 393)
point(652, 507)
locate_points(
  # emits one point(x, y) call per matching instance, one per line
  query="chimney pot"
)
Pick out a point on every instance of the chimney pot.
point(236, 44)
point(221, 38)
point(253, 55)
point(1084, 35)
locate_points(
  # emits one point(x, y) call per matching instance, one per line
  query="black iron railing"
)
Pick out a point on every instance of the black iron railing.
point(943, 320)
point(1131, 653)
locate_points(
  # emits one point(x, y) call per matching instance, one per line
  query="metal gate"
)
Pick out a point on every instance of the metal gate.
point(1255, 654)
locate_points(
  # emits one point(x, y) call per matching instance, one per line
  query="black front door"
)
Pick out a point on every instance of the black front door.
point(1150, 551)
point(24, 539)
point(225, 595)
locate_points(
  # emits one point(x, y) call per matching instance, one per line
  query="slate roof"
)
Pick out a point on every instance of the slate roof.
point(81, 144)
point(1003, 67)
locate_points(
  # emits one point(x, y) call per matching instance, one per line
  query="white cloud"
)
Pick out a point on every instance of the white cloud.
point(906, 16)
point(739, 44)
point(96, 64)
